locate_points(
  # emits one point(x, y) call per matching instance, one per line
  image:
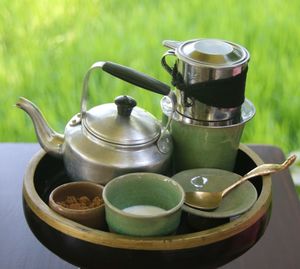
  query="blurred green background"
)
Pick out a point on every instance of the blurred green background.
point(47, 46)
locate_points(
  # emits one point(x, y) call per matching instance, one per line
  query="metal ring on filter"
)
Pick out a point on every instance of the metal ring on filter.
point(247, 112)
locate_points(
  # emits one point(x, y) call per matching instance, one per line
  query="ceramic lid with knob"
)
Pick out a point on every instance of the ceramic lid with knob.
point(122, 123)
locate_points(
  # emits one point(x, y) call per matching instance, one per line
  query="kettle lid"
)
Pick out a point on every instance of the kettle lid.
point(212, 53)
point(122, 123)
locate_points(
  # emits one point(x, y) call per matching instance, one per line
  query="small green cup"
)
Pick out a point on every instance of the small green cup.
point(143, 204)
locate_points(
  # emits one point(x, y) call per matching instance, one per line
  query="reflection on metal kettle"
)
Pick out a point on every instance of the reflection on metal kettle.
point(110, 139)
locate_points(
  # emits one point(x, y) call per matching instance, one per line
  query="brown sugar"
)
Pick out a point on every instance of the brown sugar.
point(82, 202)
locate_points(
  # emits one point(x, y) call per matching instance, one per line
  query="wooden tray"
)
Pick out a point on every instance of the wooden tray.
point(189, 248)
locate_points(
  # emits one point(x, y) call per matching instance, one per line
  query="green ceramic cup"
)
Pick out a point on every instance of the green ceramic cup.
point(207, 144)
point(143, 204)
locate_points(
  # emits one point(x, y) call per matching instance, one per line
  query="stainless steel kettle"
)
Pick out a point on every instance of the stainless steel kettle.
point(110, 139)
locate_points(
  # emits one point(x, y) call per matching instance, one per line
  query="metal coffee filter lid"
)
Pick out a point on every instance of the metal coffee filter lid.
point(212, 53)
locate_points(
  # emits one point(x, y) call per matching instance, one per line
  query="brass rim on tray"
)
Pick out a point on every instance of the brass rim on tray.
point(182, 241)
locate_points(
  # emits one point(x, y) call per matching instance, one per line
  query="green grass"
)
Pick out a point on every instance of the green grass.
point(298, 191)
point(47, 46)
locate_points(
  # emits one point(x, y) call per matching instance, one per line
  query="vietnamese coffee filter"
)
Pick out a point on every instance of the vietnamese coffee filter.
point(210, 78)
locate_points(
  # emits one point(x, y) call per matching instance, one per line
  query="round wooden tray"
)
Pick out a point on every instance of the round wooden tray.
point(91, 248)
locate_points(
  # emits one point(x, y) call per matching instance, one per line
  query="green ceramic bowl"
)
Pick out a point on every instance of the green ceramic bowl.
point(143, 204)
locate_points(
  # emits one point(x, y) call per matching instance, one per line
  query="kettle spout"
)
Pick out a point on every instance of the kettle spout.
point(50, 140)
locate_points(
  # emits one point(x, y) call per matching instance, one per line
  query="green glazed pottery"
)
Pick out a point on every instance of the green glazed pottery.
point(234, 203)
point(200, 144)
point(143, 191)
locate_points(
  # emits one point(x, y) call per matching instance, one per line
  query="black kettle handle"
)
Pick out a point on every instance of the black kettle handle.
point(136, 78)
point(129, 75)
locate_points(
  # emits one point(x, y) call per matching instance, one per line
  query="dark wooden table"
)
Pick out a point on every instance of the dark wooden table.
point(278, 248)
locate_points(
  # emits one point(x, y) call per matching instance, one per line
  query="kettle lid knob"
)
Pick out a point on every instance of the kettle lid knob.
point(125, 104)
